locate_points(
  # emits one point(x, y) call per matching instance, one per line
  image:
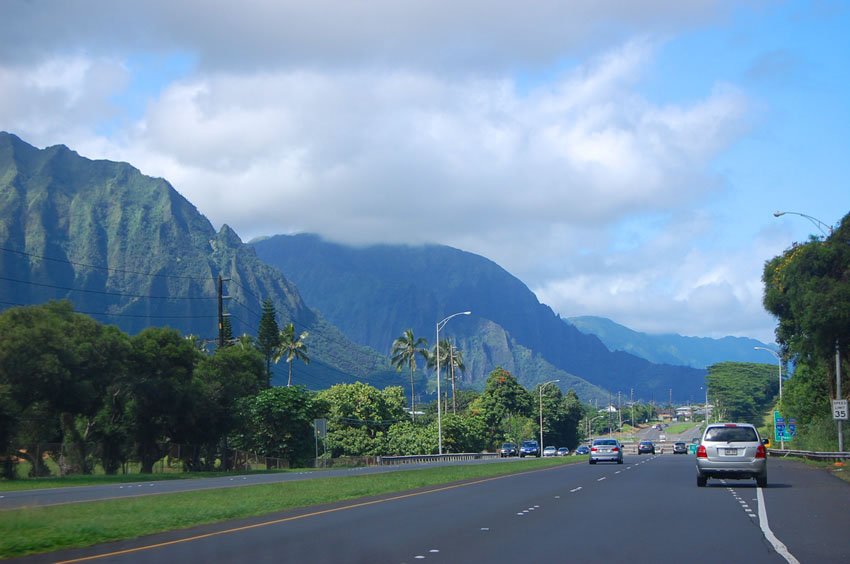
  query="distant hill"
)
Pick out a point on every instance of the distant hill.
point(698, 352)
point(374, 293)
point(129, 250)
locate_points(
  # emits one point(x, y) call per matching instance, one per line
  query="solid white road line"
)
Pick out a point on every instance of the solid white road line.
point(768, 534)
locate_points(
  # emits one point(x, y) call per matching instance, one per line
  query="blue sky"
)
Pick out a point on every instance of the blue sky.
point(623, 159)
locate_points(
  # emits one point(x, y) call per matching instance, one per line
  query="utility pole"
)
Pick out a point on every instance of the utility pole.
point(838, 394)
point(221, 313)
point(619, 412)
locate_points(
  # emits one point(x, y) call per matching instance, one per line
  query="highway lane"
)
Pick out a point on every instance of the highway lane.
point(78, 494)
point(647, 510)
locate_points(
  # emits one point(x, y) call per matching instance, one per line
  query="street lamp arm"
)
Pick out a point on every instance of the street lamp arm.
point(442, 323)
point(771, 351)
point(815, 221)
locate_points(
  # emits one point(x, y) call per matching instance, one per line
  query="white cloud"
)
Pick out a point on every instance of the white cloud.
point(412, 127)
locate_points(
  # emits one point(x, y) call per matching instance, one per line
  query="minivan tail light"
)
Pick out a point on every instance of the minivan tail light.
point(701, 453)
point(761, 452)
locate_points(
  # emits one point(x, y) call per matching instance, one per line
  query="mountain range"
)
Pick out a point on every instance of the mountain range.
point(129, 250)
point(698, 352)
point(374, 293)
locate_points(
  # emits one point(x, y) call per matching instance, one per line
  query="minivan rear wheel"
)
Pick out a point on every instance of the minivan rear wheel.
point(761, 481)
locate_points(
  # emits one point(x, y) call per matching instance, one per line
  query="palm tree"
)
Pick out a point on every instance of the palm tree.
point(291, 347)
point(445, 352)
point(404, 352)
point(456, 361)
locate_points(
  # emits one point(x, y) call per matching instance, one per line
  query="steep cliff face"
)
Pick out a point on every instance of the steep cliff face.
point(129, 250)
point(374, 293)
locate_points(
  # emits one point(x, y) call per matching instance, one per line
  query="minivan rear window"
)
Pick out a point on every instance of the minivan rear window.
point(731, 435)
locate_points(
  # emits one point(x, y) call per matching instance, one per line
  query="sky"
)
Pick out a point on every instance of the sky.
point(622, 158)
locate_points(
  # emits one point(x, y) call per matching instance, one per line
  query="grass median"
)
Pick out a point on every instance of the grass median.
point(103, 479)
point(46, 529)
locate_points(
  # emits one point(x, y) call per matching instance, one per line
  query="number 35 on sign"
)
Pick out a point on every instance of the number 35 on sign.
point(839, 410)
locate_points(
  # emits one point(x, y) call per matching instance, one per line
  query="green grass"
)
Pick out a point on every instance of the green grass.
point(679, 428)
point(101, 479)
point(45, 529)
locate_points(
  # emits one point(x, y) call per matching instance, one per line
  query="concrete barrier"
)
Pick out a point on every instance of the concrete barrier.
point(426, 458)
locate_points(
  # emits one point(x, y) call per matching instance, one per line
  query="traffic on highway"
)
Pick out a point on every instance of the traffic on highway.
point(575, 512)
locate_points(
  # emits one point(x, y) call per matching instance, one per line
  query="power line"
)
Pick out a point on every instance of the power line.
point(121, 270)
point(104, 292)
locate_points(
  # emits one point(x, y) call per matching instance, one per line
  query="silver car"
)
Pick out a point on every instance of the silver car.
point(606, 450)
point(731, 450)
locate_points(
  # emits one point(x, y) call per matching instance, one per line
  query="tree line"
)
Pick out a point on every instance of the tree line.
point(110, 398)
point(807, 288)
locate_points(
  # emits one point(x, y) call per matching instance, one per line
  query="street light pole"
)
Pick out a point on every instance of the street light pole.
point(779, 362)
point(440, 325)
point(541, 412)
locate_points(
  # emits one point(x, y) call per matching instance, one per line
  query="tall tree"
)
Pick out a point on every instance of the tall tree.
point(277, 422)
point(292, 347)
point(161, 390)
point(359, 416)
point(745, 390)
point(404, 352)
point(455, 361)
point(227, 331)
point(61, 362)
point(808, 289)
point(503, 399)
point(445, 350)
point(268, 335)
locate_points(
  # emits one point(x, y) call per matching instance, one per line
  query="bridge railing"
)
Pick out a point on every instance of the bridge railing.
point(425, 458)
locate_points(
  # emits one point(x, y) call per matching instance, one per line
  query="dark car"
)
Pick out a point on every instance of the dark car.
point(507, 450)
point(646, 447)
point(680, 448)
point(563, 451)
point(529, 448)
point(583, 449)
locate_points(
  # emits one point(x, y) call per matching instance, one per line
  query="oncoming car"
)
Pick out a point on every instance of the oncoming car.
point(582, 449)
point(731, 450)
point(563, 451)
point(508, 450)
point(550, 451)
point(606, 450)
point(529, 448)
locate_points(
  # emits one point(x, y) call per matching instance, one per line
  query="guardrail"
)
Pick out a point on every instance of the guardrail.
point(809, 454)
point(425, 458)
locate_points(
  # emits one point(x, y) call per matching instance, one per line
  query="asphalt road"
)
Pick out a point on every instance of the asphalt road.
point(646, 510)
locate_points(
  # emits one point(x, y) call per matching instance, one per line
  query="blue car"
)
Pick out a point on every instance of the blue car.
point(529, 448)
point(583, 449)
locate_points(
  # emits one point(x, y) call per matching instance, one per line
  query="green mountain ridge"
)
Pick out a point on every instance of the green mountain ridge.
point(374, 293)
point(129, 250)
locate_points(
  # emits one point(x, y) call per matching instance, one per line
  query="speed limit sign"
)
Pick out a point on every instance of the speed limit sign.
point(839, 410)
